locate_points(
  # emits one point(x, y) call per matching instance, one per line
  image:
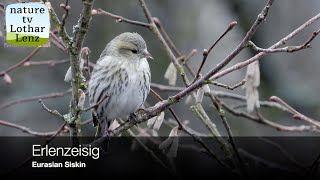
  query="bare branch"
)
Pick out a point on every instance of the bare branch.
point(296, 114)
point(148, 150)
point(120, 18)
point(29, 56)
point(53, 112)
point(2, 8)
point(27, 130)
point(86, 121)
point(57, 42)
point(195, 137)
point(283, 151)
point(241, 83)
point(216, 102)
point(314, 166)
point(265, 163)
point(66, 8)
point(35, 98)
point(171, 45)
point(61, 129)
point(166, 36)
point(56, 22)
point(74, 49)
point(164, 87)
point(264, 121)
point(226, 95)
point(27, 160)
point(261, 54)
point(189, 56)
point(153, 28)
point(48, 62)
point(289, 49)
point(207, 52)
point(242, 44)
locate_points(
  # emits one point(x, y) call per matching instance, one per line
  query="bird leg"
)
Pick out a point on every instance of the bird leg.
point(134, 117)
point(106, 133)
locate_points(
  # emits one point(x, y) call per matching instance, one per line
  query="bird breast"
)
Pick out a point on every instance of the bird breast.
point(131, 87)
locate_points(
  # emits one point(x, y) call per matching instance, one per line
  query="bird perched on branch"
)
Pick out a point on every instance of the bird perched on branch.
point(120, 80)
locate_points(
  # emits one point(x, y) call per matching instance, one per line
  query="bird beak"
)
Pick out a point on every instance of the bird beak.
point(146, 54)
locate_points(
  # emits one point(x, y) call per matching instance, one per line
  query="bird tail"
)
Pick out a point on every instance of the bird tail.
point(102, 132)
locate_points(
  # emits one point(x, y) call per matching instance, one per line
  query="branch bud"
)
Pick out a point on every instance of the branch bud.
point(205, 52)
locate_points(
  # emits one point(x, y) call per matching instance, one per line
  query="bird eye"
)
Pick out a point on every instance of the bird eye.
point(134, 51)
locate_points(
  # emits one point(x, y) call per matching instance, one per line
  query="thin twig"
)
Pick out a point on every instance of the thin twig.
point(216, 102)
point(35, 98)
point(171, 110)
point(172, 45)
point(165, 87)
point(261, 54)
point(196, 138)
point(186, 60)
point(189, 56)
point(2, 8)
point(48, 62)
point(27, 160)
point(27, 58)
point(265, 163)
point(296, 114)
point(66, 8)
point(166, 36)
point(283, 151)
point(57, 42)
point(226, 95)
point(241, 83)
point(53, 112)
point(86, 121)
point(207, 52)
point(264, 121)
point(62, 127)
point(314, 166)
point(121, 19)
point(153, 28)
point(289, 49)
point(56, 22)
point(26, 129)
point(148, 150)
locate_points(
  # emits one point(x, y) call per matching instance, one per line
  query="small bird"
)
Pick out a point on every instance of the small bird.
point(120, 80)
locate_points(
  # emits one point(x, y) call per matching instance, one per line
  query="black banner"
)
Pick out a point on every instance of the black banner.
point(259, 157)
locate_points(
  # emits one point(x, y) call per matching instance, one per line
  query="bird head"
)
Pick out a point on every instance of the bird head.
point(131, 46)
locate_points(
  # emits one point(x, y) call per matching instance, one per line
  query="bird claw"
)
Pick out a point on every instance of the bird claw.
point(142, 111)
point(133, 117)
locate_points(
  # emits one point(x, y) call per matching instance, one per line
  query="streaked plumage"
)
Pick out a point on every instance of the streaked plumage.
point(122, 73)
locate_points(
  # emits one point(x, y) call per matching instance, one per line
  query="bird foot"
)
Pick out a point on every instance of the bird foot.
point(133, 117)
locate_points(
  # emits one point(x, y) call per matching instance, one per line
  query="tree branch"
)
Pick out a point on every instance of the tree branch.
point(119, 19)
point(296, 114)
point(27, 58)
point(34, 98)
point(261, 54)
point(27, 130)
point(74, 50)
point(56, 22)
point(207, 52)
point(289, 49)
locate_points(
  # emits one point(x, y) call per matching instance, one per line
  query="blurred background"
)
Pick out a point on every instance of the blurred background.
point(191, 25)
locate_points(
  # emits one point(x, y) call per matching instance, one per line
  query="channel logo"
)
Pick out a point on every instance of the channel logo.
point(27, 24)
